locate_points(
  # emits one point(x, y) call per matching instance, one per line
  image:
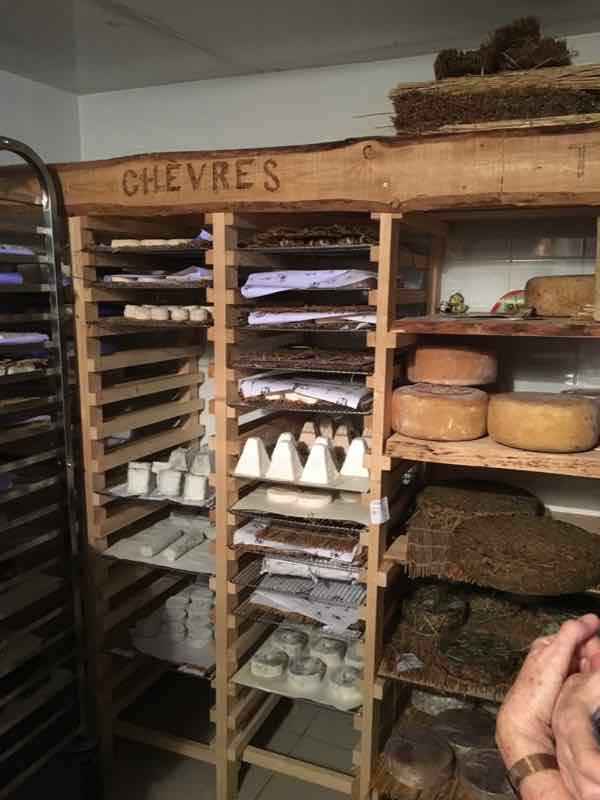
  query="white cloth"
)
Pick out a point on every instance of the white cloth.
point(283, 317)
point(341, 393)
point(260, 284)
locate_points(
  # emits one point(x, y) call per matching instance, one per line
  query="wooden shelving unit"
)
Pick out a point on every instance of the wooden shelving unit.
point(335, 181)
point(139, 387)
point(480, 454)
point(241, 712)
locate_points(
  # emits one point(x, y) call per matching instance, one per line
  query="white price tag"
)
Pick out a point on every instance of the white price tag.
point(379, 511)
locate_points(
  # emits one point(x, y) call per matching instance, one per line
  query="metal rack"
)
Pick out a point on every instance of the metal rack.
point(41, 656)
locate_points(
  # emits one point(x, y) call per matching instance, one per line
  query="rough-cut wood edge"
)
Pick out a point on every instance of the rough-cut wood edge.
point(489, 168)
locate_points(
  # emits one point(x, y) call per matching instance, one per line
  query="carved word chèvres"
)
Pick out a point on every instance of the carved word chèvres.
point(204, 176)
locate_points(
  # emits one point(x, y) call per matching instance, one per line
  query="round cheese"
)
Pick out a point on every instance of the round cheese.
point(330, 651)
point(440, 413)
point(452, 365)
point(268, 663)
point(544, 422)
point(345, 686)
point(305, 673)
point(559, 295)
point(291, 641)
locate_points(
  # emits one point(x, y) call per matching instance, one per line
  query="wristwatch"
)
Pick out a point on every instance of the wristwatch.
point(538, 762)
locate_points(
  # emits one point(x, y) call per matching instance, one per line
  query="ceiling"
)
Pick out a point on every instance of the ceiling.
point(90, 46)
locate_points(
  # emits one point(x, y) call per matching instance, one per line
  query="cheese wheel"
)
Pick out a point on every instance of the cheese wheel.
point(559, 295)
point(456, 365)
point(544, 422)
point(439, 413)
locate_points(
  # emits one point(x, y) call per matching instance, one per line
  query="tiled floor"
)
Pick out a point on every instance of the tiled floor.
point(299, 729)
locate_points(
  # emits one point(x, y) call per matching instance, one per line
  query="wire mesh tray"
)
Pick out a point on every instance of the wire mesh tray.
point(270, 616)
point(320, 407)
point(251, 575)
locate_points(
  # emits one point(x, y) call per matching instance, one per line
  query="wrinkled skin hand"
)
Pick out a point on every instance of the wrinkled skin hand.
point(577, 750)
point(526, 718)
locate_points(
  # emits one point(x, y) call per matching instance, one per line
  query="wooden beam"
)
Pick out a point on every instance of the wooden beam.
point(165, 741)
point(502, 169)
point(302, 770)
point(240, 742)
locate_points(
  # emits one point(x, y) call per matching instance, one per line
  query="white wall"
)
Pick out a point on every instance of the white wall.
point(45, 118)
point(284, 108)
point(278, 108)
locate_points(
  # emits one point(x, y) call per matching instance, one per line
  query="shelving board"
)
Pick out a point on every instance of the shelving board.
point(447, 325)
point(488, 453)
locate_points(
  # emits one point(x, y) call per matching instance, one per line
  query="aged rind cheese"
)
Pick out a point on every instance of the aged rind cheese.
point(440, 413)
point(544, 422)
point(452, 365)
point(559, 295)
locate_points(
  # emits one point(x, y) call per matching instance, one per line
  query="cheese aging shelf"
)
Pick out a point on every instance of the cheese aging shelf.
point(142, 386)
point(42, 662)
point(131, 366)
point(255, 336)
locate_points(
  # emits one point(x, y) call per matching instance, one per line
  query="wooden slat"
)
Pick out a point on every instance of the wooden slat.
point(147, 445)
point(160, 587)
point(240, 741)
point(141, 388)
point(134, 511)
point(151, 355)
point(148, 416)
point(150, 675)
point(487, 453)
point(165, 741)
point(302, 770)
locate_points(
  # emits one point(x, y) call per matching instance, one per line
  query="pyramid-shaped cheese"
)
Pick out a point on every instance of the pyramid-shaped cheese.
point(354, 463)
point(285, 461)
point(254, 460)
point(326, 427)
point(309, 434)
point(341, 440)
point(319, 467)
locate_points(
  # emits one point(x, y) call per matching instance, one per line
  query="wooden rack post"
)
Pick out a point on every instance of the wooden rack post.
point(117, 592)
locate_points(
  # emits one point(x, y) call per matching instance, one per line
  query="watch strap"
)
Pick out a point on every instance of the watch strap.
point(538, 762)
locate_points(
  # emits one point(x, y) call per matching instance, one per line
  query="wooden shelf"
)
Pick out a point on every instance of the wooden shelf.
point(447, 325)
point(487, 453)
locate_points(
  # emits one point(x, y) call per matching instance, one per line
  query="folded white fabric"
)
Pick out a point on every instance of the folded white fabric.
point(284, 317)
point(191, 274)
point(260, 284)
point(338, 392)
point(299, 569)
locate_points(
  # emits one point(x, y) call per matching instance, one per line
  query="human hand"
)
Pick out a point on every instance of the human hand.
point(577, 749)
point(524, 724)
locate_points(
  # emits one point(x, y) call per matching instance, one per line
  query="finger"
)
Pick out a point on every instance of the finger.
point(591, 647)
point(594, 663)
point(572, 634)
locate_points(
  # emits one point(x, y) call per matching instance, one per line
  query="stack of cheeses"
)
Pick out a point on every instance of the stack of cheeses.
point(185, 475)
point(444, 406)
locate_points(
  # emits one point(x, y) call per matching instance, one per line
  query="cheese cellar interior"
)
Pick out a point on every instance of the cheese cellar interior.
point(300, 444)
